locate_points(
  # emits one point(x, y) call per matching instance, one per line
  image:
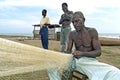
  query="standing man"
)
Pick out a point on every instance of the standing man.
point(44, 23)
point(65, 21)
point(87, 48)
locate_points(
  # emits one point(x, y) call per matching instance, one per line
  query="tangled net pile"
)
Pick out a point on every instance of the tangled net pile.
point(25, 62)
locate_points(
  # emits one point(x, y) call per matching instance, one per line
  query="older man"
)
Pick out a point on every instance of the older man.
point(87, 48)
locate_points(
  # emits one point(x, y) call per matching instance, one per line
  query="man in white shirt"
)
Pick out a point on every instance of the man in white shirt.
point(45, 21)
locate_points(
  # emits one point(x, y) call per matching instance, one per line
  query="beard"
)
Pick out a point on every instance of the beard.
point(78, 28)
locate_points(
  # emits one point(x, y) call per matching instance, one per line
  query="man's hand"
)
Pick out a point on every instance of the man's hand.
point(46, 24)
point(77, 54)
point(66, 23)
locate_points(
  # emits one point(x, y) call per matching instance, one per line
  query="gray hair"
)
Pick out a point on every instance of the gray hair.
point(80, 14)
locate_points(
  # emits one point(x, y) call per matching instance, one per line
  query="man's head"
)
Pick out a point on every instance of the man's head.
point(44, 12)
point(64, 7)
point(78, 20)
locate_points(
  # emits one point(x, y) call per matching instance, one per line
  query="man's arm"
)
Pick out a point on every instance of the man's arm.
point(65, 19)
point(69, 44)
point(47, 23)
point(61, 20)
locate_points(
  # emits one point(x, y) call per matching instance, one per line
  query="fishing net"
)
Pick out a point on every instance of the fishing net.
point(25, 62)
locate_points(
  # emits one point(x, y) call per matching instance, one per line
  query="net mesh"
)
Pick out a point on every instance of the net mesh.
point(25, 62)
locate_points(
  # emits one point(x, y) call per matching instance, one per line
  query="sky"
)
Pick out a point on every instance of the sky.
point(18, 16)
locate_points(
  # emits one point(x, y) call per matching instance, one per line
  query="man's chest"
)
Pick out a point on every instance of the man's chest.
point(82, 39)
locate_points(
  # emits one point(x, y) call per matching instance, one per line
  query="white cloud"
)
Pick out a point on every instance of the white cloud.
point(88, 7)
point(14, 23)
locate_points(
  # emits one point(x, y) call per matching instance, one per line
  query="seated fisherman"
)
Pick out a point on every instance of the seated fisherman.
point(87, 48)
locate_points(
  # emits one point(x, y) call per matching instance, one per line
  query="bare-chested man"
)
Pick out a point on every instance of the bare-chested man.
point(84, 38)
point(65, 21)
point(87, 48)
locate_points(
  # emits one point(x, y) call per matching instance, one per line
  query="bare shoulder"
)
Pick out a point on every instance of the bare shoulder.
point(70, 12)
point(92, 31)
point(72, 33)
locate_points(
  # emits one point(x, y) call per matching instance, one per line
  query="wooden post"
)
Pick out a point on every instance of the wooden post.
point(33, 32)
